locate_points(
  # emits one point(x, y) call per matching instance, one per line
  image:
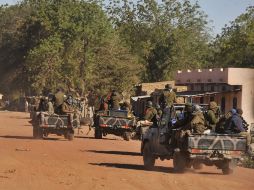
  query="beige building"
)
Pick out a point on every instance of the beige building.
point(229, 87)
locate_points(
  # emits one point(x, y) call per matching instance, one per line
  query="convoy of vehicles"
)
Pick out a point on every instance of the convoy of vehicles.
point(158, 142)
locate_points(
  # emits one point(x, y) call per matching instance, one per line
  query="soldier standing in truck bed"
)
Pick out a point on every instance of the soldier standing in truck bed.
point(150, 113)
point(168, 97)
point(212, 115)
point(58, 100)
point(114, 100)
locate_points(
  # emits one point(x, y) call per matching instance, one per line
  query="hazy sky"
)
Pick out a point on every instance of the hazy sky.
point(221, 12)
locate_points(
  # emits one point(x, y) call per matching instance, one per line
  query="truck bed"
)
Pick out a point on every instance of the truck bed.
point(226, 142)
point(53, 121)
point(110, 121)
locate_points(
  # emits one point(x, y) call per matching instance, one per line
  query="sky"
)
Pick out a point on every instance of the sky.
point(220, 12)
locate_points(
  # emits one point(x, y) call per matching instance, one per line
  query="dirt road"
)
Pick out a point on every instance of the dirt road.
point(87, 163)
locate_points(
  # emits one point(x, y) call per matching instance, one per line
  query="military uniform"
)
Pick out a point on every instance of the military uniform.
point(50, 108)
point(58, 101)
point(150, 114)
point(212, 116)
point(168, 98)
point(67, 108)
point(197, 124)
point(114, 101)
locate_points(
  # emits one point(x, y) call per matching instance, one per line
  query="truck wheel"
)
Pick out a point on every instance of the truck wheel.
point(98, 133)
point(179, 162)
point(227, 171)
point(39, 133)
point(126, 136)
point(35, 132)
point(197, 165)
point(148, 157)
point(70, 135)
point(226, 168)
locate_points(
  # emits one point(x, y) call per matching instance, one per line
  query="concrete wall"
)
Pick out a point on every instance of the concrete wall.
point(217, 75)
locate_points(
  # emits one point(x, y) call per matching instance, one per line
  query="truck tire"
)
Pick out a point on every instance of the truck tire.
point(70, 135)
point(148, 157)
point(126, 136)
point(227, 171)
point(179, 162)
point(227, 168)
point(197, 165)
point(39, 133)
point(98, 133)
point(35, 132)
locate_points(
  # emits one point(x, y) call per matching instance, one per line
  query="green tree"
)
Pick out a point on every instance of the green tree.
point(166, 36)
point(235, 46)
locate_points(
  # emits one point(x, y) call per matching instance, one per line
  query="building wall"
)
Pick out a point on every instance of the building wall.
point(239, 82)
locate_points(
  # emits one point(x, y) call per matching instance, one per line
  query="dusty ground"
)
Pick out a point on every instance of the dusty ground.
point(87, 163)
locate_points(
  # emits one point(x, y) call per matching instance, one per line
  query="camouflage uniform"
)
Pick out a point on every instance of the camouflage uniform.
point(58, 101)
point(50, 108)
point(114, 101)
point(212, 116)
point(197, 124)
point(168, 98)
point(69, 110)
point(150, 114)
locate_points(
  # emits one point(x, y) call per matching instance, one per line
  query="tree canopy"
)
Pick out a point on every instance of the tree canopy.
point(101, 45)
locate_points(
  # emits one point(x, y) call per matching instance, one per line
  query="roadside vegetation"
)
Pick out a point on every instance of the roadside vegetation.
point(99, 44)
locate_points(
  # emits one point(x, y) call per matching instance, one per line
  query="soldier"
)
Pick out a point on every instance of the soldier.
point(187, 116)
point(168, 97)
point(50, 107)
point(150, 113)
point(42, 105)
point(212, 115)
point(159, 111)
point(67, 108)
point(236, 125)
point(150, 118)
point(114, 100)
point(196, 125)
point(58, 100)
point(239, 111)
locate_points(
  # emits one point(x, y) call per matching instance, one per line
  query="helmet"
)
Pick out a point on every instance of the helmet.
point(157, 106)
point(196, 108)
point(213, 105)
point(233, 111)
point(149, 104)
point(168, 86)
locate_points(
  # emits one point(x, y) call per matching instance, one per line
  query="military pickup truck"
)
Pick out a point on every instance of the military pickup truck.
point(221, 150)
point(45, 124)
point(114, 122)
